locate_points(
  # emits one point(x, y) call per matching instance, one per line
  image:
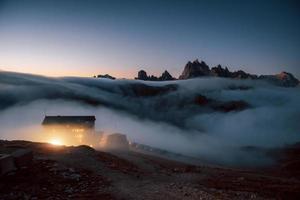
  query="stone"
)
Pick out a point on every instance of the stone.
point(117, 141)
point(7, 164)
point(22, 157)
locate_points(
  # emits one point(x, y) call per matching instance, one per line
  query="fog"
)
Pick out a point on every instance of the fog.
point(164, 118)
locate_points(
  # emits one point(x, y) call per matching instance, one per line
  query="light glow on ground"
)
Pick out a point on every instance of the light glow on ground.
point(56, 141)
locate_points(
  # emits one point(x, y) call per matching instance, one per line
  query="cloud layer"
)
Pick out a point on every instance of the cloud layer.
point(159, 114)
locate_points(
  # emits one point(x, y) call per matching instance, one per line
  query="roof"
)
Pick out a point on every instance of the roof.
point(82, 120)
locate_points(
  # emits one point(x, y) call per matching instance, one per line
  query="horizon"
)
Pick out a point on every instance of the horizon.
point(119, 38)
point(134, 76)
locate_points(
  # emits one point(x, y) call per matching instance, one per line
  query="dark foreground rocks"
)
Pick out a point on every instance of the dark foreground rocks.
point(47, 179)
point(14, 159)
point(59, 172)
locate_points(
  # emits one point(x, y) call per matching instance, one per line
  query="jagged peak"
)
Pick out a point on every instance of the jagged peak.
point(165, 76)
point(203, 63)
point(197, 61)
point(219, 66)
point(142, 70)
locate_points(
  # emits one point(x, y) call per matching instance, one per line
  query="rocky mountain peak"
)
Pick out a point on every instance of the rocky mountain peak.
point(219, 71)
point(166, 76)
point(200, 68)
point(142, 75)
point(195, 69)
point(284, 79)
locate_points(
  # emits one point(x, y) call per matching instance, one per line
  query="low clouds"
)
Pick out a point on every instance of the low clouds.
point(165, 118)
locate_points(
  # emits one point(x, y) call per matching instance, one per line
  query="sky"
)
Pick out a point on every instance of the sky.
point(120, 37)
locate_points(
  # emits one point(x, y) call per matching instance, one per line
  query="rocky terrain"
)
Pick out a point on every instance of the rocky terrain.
point(60, 172)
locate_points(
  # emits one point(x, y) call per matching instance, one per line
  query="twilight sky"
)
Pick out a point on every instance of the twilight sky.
point(88, 37)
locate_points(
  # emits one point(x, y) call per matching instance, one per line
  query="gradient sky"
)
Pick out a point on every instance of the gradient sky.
point(84, 38)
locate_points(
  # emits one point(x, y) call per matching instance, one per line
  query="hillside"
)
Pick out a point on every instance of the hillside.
point(60, 172)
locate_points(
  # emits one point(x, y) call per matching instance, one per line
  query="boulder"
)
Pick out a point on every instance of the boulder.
point(7, 164)
point(22, 157)
point(117, 141)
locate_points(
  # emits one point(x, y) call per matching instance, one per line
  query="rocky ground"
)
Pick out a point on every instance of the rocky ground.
point(59, 172)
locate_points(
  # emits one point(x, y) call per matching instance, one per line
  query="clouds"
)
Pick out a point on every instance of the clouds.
point(168, 119)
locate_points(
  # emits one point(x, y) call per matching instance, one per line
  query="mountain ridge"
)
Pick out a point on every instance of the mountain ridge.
point(198, 69)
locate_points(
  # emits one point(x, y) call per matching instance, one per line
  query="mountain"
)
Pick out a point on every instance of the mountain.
point(195, 69)
point(165, 76)
point(105, 76)
point(198, 69)
point(220, 71)
point(201, 69)
point(284, 79)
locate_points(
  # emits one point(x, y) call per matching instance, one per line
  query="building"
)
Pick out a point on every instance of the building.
point(70, 122)
point(70, 130)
